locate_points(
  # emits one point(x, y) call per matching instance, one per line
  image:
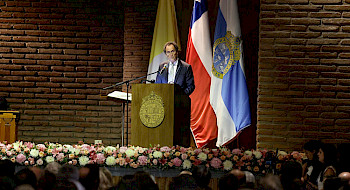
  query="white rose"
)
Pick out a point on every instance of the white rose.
point(257, 154)
point(130, 152)
point(186, 164)
point(49, 159)
point(282, 153)
point(83, 160)
point(157, 154)
point(227, 165)
point(202, 156)
point(248, 153)
point(110, 149)
point(34, 153)
point(110, 161)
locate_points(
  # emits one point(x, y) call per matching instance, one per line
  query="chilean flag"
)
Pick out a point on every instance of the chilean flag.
point(199, 55)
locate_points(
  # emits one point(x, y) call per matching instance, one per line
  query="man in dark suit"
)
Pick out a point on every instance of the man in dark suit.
point(175, 71)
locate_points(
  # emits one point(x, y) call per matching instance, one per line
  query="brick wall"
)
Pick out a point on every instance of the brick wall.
point(303, 90)
point(56, 56)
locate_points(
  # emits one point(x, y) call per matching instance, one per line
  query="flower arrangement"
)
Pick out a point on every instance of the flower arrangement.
point(176, 157)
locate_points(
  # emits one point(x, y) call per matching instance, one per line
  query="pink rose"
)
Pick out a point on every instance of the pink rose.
point(165, 149)
point(215, 163)
point(177, 162)
point(142, 160)
point(197, 151)
point(60, 157)
point(100, 158)
point(20, 158)
point(184, 156)
point(236, 151)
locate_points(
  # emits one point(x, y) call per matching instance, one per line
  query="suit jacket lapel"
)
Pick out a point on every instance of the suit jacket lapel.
point(178, 70)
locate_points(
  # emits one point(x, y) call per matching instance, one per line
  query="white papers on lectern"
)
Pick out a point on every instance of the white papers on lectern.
point(119, 95)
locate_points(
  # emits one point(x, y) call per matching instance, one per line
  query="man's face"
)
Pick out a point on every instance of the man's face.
point(171, 53)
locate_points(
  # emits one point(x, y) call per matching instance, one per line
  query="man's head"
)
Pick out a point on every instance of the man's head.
point(171, 51)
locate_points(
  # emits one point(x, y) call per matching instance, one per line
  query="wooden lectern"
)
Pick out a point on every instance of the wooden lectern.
point(160, 115)
point(8, 128)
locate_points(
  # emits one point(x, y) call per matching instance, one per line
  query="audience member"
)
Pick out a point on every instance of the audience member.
point(68, 174)
point(345, 180)
point(25, 176)
point(228, 181)
point(202, 176)
point(144, 181)
point(106, 179)
point(291, 172)
point(126, 183)
point(53, 167)
point(327, 156)
point(312, 166)
point(269, 182)
point(184, 181)
point(47, 181)
point(245, 178)
point(7, 175)
point(90, 176)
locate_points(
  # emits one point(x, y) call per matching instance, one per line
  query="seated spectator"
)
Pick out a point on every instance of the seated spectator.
point(144, 181)
point(291, 172)
point(332, 183)
point(7, 175)
point(53, 167)
point(345, 180)
point(184, 181)
point(228, 181)
point(106, 179)
point(202, 176)
point(126, 183)
point(270, 182)
point(312, 166)
point(47, 181)
point(245, 178)
point(24, 187)
point(90, 176)
point(327, 156)
point(25, 176)
point(68, 174)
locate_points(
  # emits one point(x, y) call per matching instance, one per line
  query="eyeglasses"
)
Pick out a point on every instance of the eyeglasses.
point(170, 52)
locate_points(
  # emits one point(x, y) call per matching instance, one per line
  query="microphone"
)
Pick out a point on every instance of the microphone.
point(165, 66)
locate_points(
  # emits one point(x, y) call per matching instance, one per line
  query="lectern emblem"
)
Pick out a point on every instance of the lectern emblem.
point(152, 110)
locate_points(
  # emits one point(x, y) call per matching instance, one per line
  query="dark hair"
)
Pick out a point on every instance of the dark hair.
point(144, 180)
point(202, 175)
point(312, 145)
point(291, 173)
point(228, 181)
point(330, 153)
point(171, 43)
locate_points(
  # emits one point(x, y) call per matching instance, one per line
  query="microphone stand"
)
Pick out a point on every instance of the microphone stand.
point(127, 103)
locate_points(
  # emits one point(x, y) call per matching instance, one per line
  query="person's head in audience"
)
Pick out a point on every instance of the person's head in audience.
point(269, 182)
point(291, 173)
point(53, 167)
point(311, 149)
point(202, 175)
point(184, 181)
point(228, 181)
point(144, 181)
point(90, 176)
point(68, 173)
point(245, 178)
point(25, 176)
point(47, 181)
point(327, 154)
point(7, 168)
point(24, 187)
point(127, 183)
point(345, 180)
point(106, 179)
